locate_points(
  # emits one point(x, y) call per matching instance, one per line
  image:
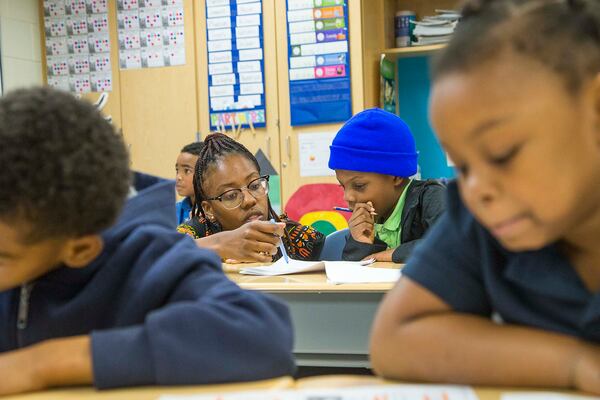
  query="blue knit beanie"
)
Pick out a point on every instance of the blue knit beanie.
point(375, 141)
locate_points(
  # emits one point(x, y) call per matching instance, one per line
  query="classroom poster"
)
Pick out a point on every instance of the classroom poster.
point(313, 150)
point(151, 33)
point(234, 35)
point(318, 61)
point(78, 45)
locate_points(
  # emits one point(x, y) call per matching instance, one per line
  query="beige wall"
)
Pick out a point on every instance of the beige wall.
point(20, 43)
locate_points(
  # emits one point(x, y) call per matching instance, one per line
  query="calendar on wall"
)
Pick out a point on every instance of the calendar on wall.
point(78, 45)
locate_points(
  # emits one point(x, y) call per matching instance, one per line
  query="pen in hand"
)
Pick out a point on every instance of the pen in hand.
point(346, 209)
point(281, 246)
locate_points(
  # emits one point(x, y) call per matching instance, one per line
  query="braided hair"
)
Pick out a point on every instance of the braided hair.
point(563, 35)
point(216, 147)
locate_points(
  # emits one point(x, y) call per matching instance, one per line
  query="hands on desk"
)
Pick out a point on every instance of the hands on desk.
point(418, 336)
point(254, 241)
point(56, 362)
point(381, 256)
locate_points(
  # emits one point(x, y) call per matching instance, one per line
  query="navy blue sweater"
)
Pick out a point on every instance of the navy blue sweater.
point(158, 308)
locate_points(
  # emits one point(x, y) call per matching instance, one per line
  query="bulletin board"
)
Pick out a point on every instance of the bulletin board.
point(77, 45)
point(318, 61)
point(154, 108)
point(161, 109)
point(151, 33)
point(236, 93)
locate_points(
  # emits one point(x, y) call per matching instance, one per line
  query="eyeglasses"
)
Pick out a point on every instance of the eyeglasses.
point(233, 198)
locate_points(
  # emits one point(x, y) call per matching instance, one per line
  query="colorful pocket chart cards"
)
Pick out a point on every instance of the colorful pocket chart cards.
point(78, 45)
point(318, 61)
point(151, 33)
point(234, 37)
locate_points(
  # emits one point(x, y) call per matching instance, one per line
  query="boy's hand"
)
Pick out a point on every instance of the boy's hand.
point(55, 362)
point(255, 241)
point(362, 223)
point(382, 255)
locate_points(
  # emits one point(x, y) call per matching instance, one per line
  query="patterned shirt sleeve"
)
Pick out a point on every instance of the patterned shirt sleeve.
point(303, 242)
point(194, 227)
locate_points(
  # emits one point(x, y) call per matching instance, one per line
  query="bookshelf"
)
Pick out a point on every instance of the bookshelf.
point(412, 51)
point(378, 37)
point(412, 81)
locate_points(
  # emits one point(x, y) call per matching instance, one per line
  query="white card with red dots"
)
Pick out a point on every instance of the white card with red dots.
point(78, 44)
point(156, 28)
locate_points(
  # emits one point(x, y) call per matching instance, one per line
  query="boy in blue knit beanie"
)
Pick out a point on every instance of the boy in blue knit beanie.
point(374, 156)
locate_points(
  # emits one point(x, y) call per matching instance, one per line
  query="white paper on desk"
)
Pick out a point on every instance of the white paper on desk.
point(396, 392)
point(251, 395)
point(543, 396)
point(351, 272)
point(392, 392)
point(280, 267)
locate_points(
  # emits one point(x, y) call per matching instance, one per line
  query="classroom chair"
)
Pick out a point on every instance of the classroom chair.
point(334, 245)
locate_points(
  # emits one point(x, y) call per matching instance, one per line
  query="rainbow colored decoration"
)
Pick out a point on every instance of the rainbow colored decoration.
point(313, 204)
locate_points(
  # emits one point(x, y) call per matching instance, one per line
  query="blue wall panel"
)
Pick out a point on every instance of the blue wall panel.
point(413, 100)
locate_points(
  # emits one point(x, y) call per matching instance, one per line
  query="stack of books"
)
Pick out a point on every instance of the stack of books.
point(435, 29)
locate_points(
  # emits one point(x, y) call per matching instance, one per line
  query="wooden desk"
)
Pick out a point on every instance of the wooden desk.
point(326, 381)
point(147, 393)
point(331, 322)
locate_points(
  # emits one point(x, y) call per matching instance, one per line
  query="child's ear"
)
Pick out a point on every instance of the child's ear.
point(398, 181)
point(81, 251)
point(208, 210)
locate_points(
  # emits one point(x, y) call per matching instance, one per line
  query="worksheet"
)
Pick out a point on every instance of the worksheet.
point(544, 396)
point(379, 392)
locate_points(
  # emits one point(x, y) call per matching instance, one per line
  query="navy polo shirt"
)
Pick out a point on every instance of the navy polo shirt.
point(466, 267)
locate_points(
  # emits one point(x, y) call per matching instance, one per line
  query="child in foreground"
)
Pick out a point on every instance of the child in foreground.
point(504, 289)
point(97, 289)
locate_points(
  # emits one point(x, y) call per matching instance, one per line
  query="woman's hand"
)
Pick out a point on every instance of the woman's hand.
point(255, 241)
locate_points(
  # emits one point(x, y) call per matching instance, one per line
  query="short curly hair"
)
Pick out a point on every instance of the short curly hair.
point(193, 148)
point(64, 172)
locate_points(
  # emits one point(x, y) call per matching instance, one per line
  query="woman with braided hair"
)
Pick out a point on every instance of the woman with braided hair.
point(505, 289)
point(232, 213)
